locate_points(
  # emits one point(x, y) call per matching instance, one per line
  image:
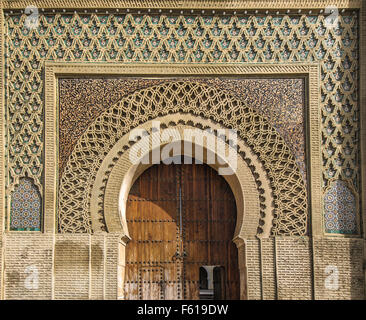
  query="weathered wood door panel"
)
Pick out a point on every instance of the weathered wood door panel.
point(180, 217)
point(151, 285)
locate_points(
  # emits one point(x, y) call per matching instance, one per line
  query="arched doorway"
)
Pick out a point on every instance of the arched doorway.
point(181, 218)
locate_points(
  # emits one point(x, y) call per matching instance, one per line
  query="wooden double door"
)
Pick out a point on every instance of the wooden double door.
point(181, 218)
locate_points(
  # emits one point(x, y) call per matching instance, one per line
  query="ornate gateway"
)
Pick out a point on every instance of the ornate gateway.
point(84, 85)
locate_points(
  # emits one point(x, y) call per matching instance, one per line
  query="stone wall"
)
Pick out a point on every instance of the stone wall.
point(347, 256)
point(83, 266)
point(253, 262)
point(268, 261)
point(72, 266)
point(296, 268)
point(68, 266)
point(25, 258)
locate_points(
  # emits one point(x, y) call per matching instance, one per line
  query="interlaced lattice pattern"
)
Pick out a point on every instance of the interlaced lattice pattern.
point(82, 100)
point(182, 39)
point(182, 97)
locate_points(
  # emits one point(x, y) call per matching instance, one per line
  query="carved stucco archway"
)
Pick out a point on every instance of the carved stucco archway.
point(251, 187)
point(196, 105)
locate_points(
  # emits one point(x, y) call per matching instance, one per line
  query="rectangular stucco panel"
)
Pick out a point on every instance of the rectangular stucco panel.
point(28, 266)
point(339, 258)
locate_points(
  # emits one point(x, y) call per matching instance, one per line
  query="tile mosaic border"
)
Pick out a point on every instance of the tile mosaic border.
point(186, 4)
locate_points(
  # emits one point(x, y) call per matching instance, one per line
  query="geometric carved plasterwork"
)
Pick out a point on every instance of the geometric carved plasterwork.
point(340, 209)
point(280, 100)
point(176, 38)
point(183, 97)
